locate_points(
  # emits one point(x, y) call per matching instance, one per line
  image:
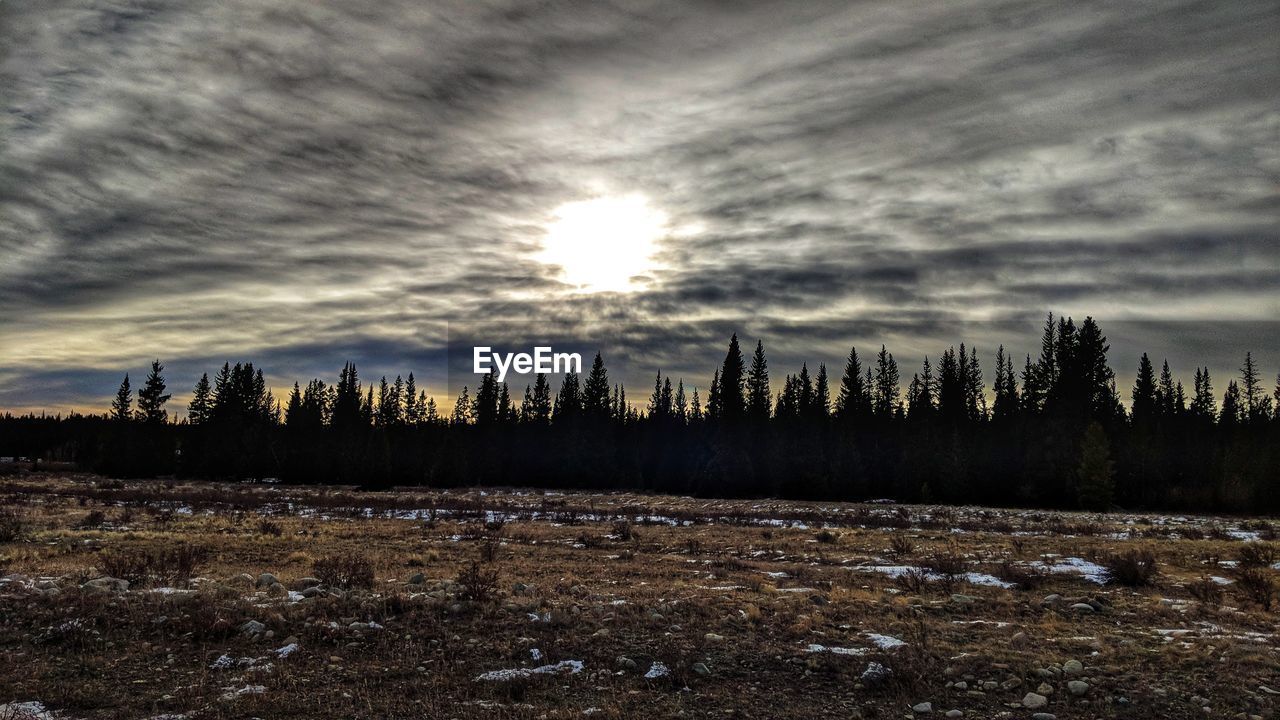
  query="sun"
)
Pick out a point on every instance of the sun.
point(601, 244)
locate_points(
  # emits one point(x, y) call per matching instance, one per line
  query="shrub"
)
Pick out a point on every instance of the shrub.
point(1134, 568)
point(12, 525)
point(1022, 576)
point(914, 581)
point(901, 545)
point(949, 565)
point(349, 570)
point(141, 566)
point(1258, 554)
point(827, 537)
point(95, 518)
point(622, 530)
point(478, 584)
point(1256, 585)
point(1206, 590)
point(267, 526)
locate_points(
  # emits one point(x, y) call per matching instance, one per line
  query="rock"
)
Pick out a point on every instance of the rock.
point(107, 584)
point(1011, 683)
point(701, 669)
point(1083, 608)
point(1073, 667)
point(1018, 640)
point(266, 580)
point(626, 663)
point(417, 579)
point(253, 627)
point(712, 637)
point(961, 686)
point(818, 599)
point(955, 713)
point(923, 708)
point(1045, 689)
point(1034, 700)
point(313, 591)
point(241, 580)
point(875, 674)
point(1044, 716)
point(960, 599)
point(1051, 600)
point(306, 582)
point(1077, 687)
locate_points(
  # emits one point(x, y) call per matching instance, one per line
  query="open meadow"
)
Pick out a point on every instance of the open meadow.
point(153, 599)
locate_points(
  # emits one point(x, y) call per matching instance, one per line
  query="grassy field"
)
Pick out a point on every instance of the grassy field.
point(300, 602)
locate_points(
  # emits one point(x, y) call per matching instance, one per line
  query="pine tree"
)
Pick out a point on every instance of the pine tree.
point(1232, 405)
point(854, 401)
point(758, 394)
point(1257, 406)
point(462, 408)
point(1096, 378)
point(1166, 393)
point(432, 414)
point(695, 407)
point(1096, 487)
point(1203, 404)
point(886, 385)
point(569, 400)
point(821, 394)
point(506, 413)
point(121, 407)
point(200, 409)
point(485, 406)
point(152, 397)
point(658, 408)
point(732, 379)
point(713, 397)
point(1144, 393)
point(595, 391)
point(682, 403)
point(975, 398)
point(412, 410)
point(540, 404)
point(1006, 388)
point(293, 411)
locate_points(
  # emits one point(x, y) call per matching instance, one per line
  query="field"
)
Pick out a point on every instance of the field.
point(151, 599)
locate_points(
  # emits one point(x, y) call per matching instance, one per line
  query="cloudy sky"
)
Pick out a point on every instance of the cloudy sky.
point(302, 182)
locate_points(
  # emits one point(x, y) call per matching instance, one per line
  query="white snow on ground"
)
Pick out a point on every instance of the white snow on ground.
point(885, 642)
point(535, 653)
point(657, 670)
point(287, 650)
point(570, 667)
point(1221, 580)
point(1092, 572)
point(233, 693)
point(815, 648)
point(25, 711)
point(973, 578)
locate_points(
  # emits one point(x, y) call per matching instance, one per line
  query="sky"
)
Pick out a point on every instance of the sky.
point(301, 183)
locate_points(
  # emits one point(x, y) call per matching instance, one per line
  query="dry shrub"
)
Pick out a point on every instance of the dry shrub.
point(1133, 568)
point(1256, 585)
point(1206, 590)
point(914, 581)
point(267, 526)
point(347, 570)
point(12, 525)
point(1022, 576)
point(95, 518)
point(478, 584)
point(901, 545)
point(165, 564)
point(1258, 554)
point(622, 530)
point(827, 537)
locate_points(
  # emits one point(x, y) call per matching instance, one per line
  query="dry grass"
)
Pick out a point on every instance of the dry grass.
point(730, 605)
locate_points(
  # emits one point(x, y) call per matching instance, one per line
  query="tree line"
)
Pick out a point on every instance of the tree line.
point(1054, 433)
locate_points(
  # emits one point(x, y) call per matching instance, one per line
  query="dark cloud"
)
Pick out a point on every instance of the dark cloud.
point(303, 182)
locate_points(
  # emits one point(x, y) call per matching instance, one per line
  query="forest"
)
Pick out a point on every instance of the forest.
point(1054, 433)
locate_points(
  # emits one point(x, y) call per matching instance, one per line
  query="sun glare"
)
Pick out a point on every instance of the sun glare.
point(602, 243)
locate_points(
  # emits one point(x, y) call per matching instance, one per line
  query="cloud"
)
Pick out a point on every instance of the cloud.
point(301, 182)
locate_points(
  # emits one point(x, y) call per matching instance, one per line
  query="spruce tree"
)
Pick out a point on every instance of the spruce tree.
point(152, 397)
point(569, 400)
point(758, 394)
point(122, 406)
point(595, 391)
point(540, 404)
point(886, 385)
point(682, 403)
point(1144, 393)
point(821, 394)
point(732, 380)
point(462, 408)
point(853, 402)
point(200, 409)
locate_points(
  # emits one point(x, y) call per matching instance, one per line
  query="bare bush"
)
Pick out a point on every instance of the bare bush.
point(165, 564)
point(1206, 590)
point(267, 526)
point(94, 519)
point(1133, 568)
point(1258, 554)
point(901, 545)
point(1257, 585)
point(914, 581)
point(622, 530)
point(13, 525)
point(347, 570)
point(478, 584)
point(1023, 577)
